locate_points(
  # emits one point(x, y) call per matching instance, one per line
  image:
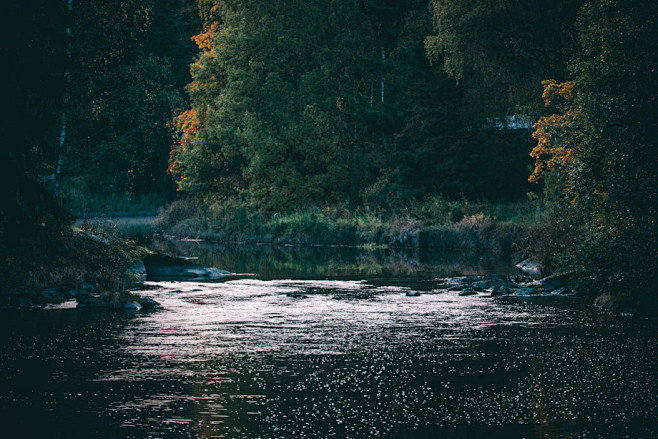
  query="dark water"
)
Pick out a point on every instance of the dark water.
point(355, 358)
point(270, 262)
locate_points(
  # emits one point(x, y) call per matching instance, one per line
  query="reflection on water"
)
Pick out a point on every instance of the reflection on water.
point(272, 262)
point(331, 358)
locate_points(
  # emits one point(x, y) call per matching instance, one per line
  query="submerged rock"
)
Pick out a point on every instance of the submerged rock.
point(160, 267)
point(297, 295)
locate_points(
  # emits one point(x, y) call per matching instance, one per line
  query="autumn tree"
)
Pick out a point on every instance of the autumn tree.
point(599, 147)
point(281, 103)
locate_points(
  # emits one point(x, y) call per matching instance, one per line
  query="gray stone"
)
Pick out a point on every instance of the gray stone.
point(148, 304)
point(481, 285)
point(557, 281)
point(502, 290)
point(526, 292)
point(89, 288)
point(561, 291)
point(531, 268)
point(138, 270)
point(160, 267)
point(25, 303)
point(132, 306)
point(468, 293)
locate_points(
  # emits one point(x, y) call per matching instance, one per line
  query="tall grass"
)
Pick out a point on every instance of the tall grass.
point(435, 222)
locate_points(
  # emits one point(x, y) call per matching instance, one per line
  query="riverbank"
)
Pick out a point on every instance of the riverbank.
point(483, 228)
point(85, 263)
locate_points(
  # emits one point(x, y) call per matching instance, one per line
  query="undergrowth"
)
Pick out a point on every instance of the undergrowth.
point(435, 222)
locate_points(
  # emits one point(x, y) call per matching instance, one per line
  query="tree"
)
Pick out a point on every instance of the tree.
point(123, 94)
point(503, 49)
point(599, 147)
point(279, 103)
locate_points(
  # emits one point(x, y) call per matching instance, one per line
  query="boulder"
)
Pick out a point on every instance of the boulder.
point(561, 291)
point(558, 281)
point(25, 304)
point(148, 303)
point(161, 267)
point(519, 279)
point(89, 288)
point(138, 270)
point(132, 306)
point(531, 268)
point(482, 285)
point(502, 290)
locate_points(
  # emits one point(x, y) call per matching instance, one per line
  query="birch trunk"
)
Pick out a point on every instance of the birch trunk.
point(65, 100)
point(383, 62)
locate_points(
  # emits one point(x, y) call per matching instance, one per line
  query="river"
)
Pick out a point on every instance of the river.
point(326, 344)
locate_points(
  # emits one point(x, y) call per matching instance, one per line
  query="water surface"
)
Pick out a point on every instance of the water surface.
point(329, 357)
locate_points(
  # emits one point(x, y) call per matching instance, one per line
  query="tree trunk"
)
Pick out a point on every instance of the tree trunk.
point(383, 61)
point(65, 100)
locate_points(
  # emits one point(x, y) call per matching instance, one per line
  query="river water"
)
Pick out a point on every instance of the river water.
point(329, 348)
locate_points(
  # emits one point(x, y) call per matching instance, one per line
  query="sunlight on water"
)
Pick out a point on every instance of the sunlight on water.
point(252, 358)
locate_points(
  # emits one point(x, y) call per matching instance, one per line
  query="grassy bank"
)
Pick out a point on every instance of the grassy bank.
point(438, 223)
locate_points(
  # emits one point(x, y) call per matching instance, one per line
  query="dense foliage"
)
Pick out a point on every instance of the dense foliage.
point(124, 90)
point(599, 148)
point(360, 104)
point(596, 141)
point(503, 49)
point(298, 103)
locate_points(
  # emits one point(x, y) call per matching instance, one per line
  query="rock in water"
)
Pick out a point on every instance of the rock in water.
point(526, 292)
point(148, 303)
point(139, 270)
point(530, 267)
point(160, 267)
point(468, 293)
point(413, 293)
point(132, 306)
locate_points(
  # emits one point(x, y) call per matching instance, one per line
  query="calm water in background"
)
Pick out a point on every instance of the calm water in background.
point(354, 358)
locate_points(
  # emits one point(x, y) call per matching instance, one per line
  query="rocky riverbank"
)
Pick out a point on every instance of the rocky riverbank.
point(516, 285)
point(152, 266)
